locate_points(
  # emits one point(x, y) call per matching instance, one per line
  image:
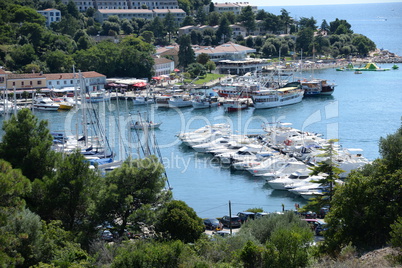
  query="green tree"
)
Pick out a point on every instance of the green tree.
point(363, 44)
point(307, 23)
point(69, 194)
point(247, 18)
point(214, 18)
point(272, 23)
point(196, 69)
point(179, 221)
point(210, 65)
point(261, 14)
point(23, 55)
point(14, 186)
point(251, 255)
point(143, 254)
point(203, 58)
point(304, 39)
point(186, 52)
point(127, 27)
point(170, 25)
point(224, 31)
point(58, 61)
point(285, 20)
point(188, 20)
point(134, 184)
point(27, 14)
point(290, 246)
point(354, 215)
point(148, 36)
point(343, 25)
point(324, 25)
point(26, 144)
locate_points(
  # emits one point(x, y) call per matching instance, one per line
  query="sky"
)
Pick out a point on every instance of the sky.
point(304, 2)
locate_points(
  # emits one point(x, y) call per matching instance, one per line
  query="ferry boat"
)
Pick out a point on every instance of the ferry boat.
point(316, 87)
point(270, 98)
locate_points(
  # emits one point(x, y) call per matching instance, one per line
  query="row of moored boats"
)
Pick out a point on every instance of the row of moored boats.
point(283, 156)
point(237, 93)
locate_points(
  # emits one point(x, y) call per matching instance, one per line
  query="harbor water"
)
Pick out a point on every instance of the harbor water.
point(363, 108)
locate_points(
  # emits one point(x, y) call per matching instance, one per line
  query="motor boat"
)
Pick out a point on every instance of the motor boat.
point(45, 103)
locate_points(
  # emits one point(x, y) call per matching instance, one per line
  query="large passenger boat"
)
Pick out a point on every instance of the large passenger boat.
point(270, 98)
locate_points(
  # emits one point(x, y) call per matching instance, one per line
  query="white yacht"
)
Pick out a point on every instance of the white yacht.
point(45, 103)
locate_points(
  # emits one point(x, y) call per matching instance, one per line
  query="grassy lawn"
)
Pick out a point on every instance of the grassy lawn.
point(208, 77)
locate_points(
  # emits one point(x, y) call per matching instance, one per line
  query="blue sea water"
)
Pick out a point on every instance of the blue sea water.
point(362, 109)
point(381, 22)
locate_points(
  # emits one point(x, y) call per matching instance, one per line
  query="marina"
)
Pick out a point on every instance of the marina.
point(361, 110)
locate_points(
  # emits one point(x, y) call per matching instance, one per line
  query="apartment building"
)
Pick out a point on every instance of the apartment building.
point(124, 4)
point(51, 15)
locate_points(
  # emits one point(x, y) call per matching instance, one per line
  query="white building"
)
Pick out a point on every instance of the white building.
point(233, 58)
point(236, 7)
point(83, 5)
point(103, 14)
point(92, 81)
point(51, 15)
point(163, 66)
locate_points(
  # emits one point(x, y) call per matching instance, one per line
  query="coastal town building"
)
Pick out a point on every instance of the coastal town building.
point(51, 15)
point(91, 81)
point(171, 52)
point(163, 66)
point(124, 4)
point(30, 81)
point(236, 7)
point(103, 14)
point(3, 76)
point(233, 58)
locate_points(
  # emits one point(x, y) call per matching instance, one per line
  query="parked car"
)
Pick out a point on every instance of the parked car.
point(317, 225)
point(235, 220)
point(260, 215)
point(245, 216)
point(213, 224)
point(106, 235)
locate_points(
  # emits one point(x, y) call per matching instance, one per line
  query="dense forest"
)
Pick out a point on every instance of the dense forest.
point(27, 45)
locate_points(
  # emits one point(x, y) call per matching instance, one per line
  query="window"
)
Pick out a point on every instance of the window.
point(22, 83)
point(50, 82)
point(30, 82)
point(1, 79)
point(13, 83)
point(58, 82)
point(65, 82)
point(40, 82)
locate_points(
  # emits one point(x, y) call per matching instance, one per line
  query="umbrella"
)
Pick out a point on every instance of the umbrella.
point(157, 78)
point(176, 70)
point(112, 85)
point(140, 84)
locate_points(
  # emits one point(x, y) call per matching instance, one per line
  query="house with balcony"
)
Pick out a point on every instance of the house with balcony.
point(103, 14)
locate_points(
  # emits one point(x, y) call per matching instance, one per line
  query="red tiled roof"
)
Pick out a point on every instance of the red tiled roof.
point(162, 60)
point(71, 75)
point(25, 76)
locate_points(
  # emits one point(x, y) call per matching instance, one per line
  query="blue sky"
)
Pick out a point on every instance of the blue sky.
point(304, 2)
